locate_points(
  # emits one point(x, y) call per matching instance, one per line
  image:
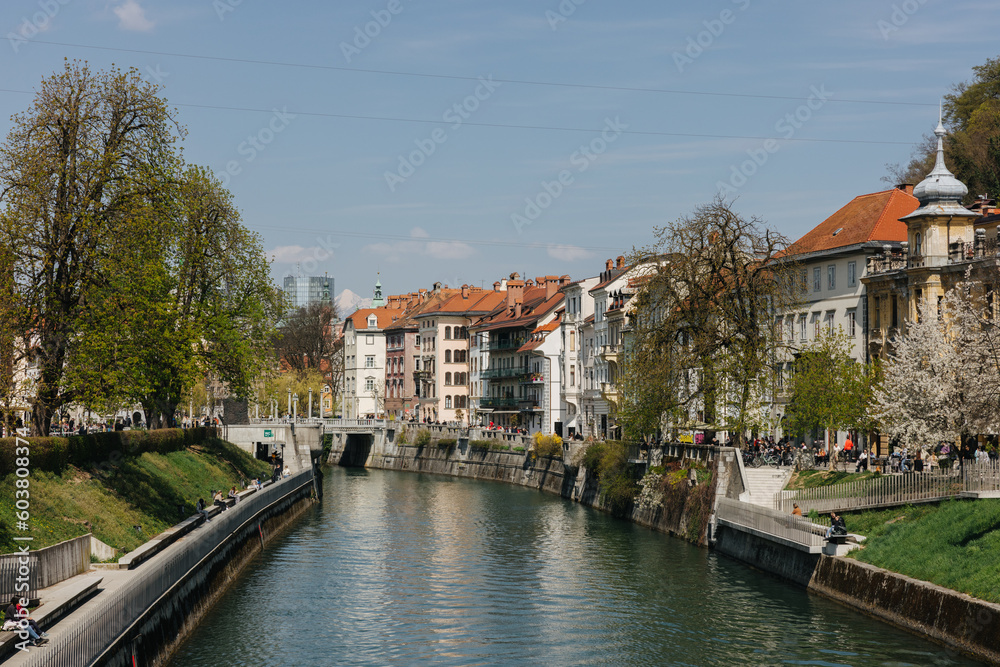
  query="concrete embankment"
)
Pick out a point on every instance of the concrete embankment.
point(156, 634)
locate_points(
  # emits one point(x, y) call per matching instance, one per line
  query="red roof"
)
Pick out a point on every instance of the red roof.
point(871, 217)
point(538, 336)
point(386, 316)
point(534, 305)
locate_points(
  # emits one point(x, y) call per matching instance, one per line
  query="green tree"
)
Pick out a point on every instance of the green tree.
point(829, 389)
point(702, 341)
point(80, 170)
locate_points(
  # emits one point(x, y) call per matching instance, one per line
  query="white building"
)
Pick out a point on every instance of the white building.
point(364, 361)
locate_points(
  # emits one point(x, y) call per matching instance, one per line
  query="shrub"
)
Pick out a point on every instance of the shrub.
point(480, 444)
point(547, 445)
point(401, 438)
point(447, 443)
point(423, 438)
point(592, 458)
point(519, 449)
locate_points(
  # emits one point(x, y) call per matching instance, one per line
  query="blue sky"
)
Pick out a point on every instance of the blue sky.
point(601, 152)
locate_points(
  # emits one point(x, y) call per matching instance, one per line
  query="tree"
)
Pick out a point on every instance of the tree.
point(307, 341)
point(972, 117)
point(80, 169)
point(702, 340)
point(939, 381)
point(829, 389)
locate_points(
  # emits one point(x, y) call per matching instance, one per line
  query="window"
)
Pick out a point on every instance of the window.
point(852, 323)
point(817, 279)
point(778, 329)
point(802, 327)
point(831, 277)
point(447, 402)
point(447, 356)
point(917, 244)
point(370, 361)
point(370, 384)
point(447, 333)
point(829, 322)
point(372, 322)
point(572, 341)
point(852, 274)
point(816, 325)
point(369, 339)
point(572, 377)
point(791, 328)
point(447, 378)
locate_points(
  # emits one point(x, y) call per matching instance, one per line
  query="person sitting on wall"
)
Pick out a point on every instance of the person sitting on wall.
point(837, 525)
point(232, 494)
point(796, 510)
point(200, 509)
point(220, 501)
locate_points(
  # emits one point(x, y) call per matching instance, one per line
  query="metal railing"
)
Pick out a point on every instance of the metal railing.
point(769, 523)
point(12, 574)
point(516, 371)
point(91, 637)
point(872, 492)
point(982, 477)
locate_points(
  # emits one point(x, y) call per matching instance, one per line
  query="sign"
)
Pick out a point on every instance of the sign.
point(268, 433)
point(685, 437)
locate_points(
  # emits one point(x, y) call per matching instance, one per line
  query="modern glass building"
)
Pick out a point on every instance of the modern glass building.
point(305, 290)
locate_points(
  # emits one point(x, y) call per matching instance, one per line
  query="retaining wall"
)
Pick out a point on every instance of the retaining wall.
point(957, 620)
point(60, 561)
point(157, 633)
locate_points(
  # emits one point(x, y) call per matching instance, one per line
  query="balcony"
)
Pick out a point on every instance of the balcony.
point(885, 263)
point(498, 403)
point(609, 352)
point(496, 373)
point(609, 391)
point(533, 378)
point(500, 345)
point(528, 405)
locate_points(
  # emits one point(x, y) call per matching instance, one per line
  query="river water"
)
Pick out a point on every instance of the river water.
point(409, 569)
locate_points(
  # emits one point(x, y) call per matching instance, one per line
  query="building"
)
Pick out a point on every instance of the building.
point(943, 243)
point(365, 361)
point(579, 308)
point(445, 383)
point(510, 397)
point(301, 291)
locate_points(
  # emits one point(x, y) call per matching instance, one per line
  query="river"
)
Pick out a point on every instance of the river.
point(410, 569)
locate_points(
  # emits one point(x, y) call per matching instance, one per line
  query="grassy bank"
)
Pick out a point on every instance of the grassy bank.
point(151, 490)
point(812, 479)
point(955, 544)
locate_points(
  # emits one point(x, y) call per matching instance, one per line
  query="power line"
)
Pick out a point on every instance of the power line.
point(456, 77)
point(554, 128)
point(428, 239)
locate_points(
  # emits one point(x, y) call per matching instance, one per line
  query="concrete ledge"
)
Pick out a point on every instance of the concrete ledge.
point(159, 543)
point(807, 548)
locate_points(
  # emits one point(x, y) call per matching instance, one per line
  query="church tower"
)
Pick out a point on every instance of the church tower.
point(377, 300)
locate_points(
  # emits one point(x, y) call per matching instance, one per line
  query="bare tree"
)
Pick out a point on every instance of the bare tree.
point(702, 325)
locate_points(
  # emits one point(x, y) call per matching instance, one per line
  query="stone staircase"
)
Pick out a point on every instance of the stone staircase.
point(765, 483)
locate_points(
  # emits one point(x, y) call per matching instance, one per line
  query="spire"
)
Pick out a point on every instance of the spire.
point(377, 300)
point(940, 186)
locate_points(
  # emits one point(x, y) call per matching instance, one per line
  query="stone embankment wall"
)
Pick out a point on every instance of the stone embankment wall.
point(159, 631)
point(959, 621)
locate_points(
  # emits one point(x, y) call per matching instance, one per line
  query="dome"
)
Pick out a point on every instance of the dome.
point(940, 185)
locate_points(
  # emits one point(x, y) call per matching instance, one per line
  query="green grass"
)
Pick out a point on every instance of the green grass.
point(137, 491)
point(811, 479)
point(955, 544)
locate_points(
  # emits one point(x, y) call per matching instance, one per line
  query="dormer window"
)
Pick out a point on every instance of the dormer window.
point(372, 322)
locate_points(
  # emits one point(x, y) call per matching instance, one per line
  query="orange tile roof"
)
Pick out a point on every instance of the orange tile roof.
point(539, 335)
point(534, 305)
point(477, 302)
point(871, 217)
point(386, 316)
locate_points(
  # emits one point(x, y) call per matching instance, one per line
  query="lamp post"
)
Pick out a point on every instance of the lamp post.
point(310, 402)
point(295, 408)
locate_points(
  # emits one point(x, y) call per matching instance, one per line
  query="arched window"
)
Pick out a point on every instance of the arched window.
point(447, 333)
point(447, 378)
point(447, 402)
point(447, 356)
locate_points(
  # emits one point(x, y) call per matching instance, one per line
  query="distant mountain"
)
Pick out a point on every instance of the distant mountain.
point(347, 302)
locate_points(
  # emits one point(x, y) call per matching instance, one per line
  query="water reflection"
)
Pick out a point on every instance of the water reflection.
point(400, 568)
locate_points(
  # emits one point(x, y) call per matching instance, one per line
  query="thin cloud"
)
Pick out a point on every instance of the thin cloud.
point(568, 253)
point(398, 250)
point(132, 17)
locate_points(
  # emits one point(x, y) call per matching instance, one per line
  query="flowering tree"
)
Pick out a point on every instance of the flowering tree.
point(940, 381)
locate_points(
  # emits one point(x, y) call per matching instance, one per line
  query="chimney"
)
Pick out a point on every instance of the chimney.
point(437, 287)
point(529, 283)
point(515, 292)
point(905, 187)
point(551, 286)
point(608, 265)
point(496, 286)
point(565, 280)
point(620, 263)
point(465, 291)
point(517, 310)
